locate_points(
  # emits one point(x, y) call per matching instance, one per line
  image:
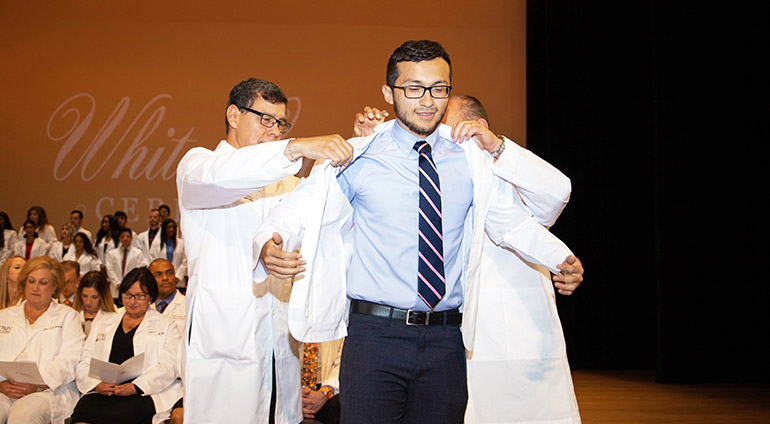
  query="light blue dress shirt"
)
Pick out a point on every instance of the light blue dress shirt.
point(382, 186)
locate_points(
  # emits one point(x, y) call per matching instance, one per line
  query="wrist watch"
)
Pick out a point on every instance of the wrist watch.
point(497, 152)
point(327, 391)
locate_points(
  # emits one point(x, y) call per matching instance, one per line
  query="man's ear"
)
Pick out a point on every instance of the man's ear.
point(232, 116)
point(387, 92)
point(483, 122)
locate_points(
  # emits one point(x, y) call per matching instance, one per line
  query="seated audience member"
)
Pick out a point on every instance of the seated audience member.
point(30, 245)
point(47, 333)
point(170, 303)
point(83, 253)
point(106, 239)
point(321, 382)
point(136, 329)
point(9, 285)
point(148, 239)
point(71, 282)
point(44, 230)
point(171, 248)
point(122, 260)
point(76, 219)
point(60, 247)
point(94, 300)
point(7, 237)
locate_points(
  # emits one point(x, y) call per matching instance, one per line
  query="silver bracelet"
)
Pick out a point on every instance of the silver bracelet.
point(499, 151)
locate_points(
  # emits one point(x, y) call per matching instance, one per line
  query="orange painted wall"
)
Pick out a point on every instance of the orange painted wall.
point(99, 101)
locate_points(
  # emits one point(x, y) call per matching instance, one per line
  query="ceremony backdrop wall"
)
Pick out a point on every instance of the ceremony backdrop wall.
point(101, 100)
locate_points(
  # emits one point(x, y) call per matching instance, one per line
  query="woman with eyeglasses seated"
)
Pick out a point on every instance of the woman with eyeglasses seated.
point(136, 329)
point(44, 332)
point(93, 300)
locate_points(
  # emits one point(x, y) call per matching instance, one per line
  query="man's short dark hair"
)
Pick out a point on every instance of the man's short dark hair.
point(125, 230)
point(80, 214)
point(244, 94)
point(120, 214)
point(415, 51)
point(471, 108)
point(164, 206)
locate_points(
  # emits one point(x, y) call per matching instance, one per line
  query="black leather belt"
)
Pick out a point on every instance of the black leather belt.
point(408, 316)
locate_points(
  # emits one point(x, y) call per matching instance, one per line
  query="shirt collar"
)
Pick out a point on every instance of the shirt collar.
point(405, 140)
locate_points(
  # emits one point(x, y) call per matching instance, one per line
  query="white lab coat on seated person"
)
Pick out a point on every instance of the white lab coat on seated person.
point(237, 324)
point(101, 315)
point(158, 338)
point(56, 248)
point(115, 271)
point(39, 248)
point(176, 311)
point(86, 261)
point(179, 260)
point(48, 234)
point(54, 342)
point(143, 239)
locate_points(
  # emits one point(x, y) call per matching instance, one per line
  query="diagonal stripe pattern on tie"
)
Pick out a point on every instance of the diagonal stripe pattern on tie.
point(430, 270)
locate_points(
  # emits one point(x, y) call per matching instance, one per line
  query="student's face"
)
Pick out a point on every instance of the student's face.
point(106, 224)
point(135, 307)
point(33, 216)
point(125, 239)
point(154, 218)
point(80, 244)
point(13, 271)
point(419, 116)
point(71, 280)
point(249, 131)
point(165, 277)
point(171, 230)
point(75, 220)
point(39, 288)
point(29, 229)
point(91, 300)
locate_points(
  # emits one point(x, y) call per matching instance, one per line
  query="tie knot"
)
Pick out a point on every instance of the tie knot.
point(422, 146)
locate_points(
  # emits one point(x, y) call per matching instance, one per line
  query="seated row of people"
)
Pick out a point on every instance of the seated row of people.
point(62, 341)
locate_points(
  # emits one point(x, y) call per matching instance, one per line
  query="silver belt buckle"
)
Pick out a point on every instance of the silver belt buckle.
point(417, 317)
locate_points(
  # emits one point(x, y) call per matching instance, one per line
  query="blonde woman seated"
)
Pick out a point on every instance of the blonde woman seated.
point(60, 247)
point(48, 333)
point(136, 329)
point(9, 284)
point(93, 300)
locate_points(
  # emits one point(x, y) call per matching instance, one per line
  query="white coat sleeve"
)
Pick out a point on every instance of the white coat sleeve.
point(61, 370)
point(158, 376)
point(207, 180)
point(84, 382)
point(510, 225)
point(181, 269)
point(287, 219)
point(542, 187)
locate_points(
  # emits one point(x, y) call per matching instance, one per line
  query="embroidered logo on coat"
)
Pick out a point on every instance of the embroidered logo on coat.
point(6, 329)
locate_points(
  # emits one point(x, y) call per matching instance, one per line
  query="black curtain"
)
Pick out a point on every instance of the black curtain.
point(657, 113)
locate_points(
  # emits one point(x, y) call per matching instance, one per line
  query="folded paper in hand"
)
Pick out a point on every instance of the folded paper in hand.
point(21, 372)
point(114, 373)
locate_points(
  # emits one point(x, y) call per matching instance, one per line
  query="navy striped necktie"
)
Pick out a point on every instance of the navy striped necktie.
point(430, 271)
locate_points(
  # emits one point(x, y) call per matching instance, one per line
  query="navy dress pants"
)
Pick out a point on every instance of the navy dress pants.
point(395, 373)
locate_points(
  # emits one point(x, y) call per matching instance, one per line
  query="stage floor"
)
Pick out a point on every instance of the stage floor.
point(618, 397)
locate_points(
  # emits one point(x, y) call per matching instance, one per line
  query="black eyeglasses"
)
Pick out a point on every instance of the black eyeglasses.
point(417, 91)
point(270, 120)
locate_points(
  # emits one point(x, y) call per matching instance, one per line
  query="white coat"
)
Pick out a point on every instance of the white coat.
point(179, 259)
point(39, 248)
point(237, 325)
point(156, 337)
point(86, 261)
point(103, 248)
point(101, 314)
point(54, 342)
point(329, 354)
point(317, 314)
point(55, 250)
point(143, 240)
point(115, 272)
point(176, 311)
point(48, 234)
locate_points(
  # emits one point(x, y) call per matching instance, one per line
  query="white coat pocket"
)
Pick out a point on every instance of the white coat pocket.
point(229, 329)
